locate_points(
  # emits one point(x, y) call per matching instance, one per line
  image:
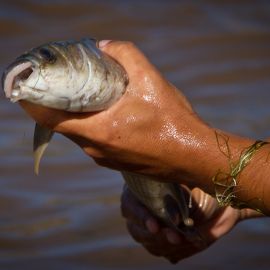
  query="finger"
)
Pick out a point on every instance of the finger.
point(57, 120)
point(218, 225)
point(172, 237)
point(170, 252)
point(42, 115)
point(173, 253)
point(125, 52)
point(134, 211)
point(140, 234)
point(135, 63)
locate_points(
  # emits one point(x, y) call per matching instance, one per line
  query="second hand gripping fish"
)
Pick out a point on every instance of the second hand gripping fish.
point(78, 77)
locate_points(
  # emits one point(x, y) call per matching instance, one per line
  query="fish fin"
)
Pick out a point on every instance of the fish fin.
point(42, 137)
point(182, 205)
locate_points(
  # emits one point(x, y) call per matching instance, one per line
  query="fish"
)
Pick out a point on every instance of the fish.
point(77, 76)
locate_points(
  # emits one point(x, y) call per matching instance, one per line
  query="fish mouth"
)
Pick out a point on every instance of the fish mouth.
point(18, 71)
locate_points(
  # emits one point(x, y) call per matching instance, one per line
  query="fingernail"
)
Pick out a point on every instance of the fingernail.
point(173, 238)
point(103, 43)
point(152, 226)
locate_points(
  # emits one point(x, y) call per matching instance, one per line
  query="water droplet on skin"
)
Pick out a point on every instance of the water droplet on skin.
point(150, 92)
point(130, 119)
point(170, 131)
point(148, 98)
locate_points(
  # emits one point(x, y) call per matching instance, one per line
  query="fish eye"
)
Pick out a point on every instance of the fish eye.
point(47, 55)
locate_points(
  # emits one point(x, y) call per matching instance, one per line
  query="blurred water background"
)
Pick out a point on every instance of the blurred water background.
point(217, 52)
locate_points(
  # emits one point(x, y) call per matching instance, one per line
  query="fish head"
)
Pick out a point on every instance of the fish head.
point(50, 74)
point(66, 75)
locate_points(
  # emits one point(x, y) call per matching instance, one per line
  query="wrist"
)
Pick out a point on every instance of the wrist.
point(253, 186)
point(213, 152)
point(220, 167)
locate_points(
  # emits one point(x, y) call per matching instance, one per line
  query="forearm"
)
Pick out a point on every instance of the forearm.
point(211, 162)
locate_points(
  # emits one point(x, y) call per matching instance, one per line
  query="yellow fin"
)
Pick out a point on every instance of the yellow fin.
point(42, 137)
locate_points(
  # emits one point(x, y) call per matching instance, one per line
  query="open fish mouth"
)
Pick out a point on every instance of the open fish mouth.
point(14, 74)
point(66, 75)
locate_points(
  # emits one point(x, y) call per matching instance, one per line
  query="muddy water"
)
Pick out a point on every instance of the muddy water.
point(68, 217)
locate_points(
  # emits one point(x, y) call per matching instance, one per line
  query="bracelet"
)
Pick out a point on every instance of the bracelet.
point(226, 182)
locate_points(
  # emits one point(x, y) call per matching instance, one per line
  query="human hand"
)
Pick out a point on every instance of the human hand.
point(211, 221)
point(152, 129)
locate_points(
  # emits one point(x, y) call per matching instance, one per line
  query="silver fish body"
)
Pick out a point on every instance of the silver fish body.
point(166, 200)
point(78, 77)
